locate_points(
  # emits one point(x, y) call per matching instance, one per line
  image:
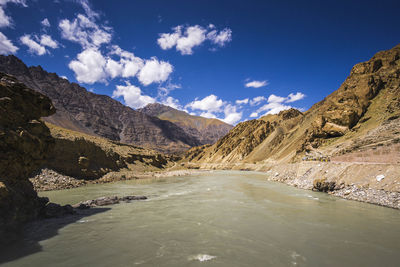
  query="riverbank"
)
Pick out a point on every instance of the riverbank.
point(374, 183)
point(48, 180)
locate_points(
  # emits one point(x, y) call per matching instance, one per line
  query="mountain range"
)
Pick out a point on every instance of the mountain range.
point(362, 115)
point(100, 115)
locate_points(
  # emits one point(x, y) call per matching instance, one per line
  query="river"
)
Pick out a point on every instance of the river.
point(221, 218)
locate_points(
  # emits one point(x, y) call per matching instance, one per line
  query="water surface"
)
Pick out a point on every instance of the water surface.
point(218, 219)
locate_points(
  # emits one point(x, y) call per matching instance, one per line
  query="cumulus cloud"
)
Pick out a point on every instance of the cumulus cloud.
point(257, 100)
point(208, 115)
point(6, 46)
point(154, 71)
point(213, 107)
point(242, 101)
point(295, 97)
point(92, 66)
point(221, 38)
point(132, 96)
point(34, 47)
point(273, 108)
point(84, 31)
point(38, 45)
point(171, 102)
point(276, 99)
point(185, 38)
point(276, 104)
point(232, 116)
point(89, 66)
point(46, 40)
point(5, 20)
point(256, 84)
point(45, 22)
point(209, 104)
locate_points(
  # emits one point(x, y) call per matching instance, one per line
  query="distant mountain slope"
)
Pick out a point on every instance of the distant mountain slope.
point(207, 131)
point(80, 110)
point(364, 113)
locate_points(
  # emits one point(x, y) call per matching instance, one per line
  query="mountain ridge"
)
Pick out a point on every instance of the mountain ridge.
point(368, 100)
point(98, 115)
point(206, 130)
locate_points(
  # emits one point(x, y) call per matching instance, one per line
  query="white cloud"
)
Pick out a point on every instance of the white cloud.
point(172, 102)
point(6, 46)
point(89, 66)
point(257, 100)
point(208, 115)
point(166, 89)
point(242, 101)
point(88, 10)
point(169, 40)
point(295, 97)
point(92, 66)
point(84, 31)
point(34, 47)
point(38, 45)
point(221, 38)
point(276, 99)
point(45, 22)
point(253, 115)
point(185, 38)
point(231, 114)
point(277, 103)
point(132, 95)
point(64, 77)
point(127, 66)
point(6, 21)
point(154, 71)
point(273, 108)
point(209, 104)
point(46, 40)
point(194, 36)
point(256, 84)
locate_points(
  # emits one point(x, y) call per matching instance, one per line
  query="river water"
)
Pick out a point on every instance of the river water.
point(215, 219)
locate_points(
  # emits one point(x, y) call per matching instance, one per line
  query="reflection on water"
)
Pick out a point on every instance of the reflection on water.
point(218, 219)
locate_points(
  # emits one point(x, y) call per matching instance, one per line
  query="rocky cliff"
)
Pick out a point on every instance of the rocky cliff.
point(25, 142)
point(99, 115)
point(362, 114)
point(207, 131)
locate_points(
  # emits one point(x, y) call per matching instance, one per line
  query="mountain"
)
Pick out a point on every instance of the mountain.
point(362, 115)
point(99, 115)
point(207, 131)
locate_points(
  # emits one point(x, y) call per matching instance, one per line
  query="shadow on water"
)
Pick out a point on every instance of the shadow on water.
point(28, 241)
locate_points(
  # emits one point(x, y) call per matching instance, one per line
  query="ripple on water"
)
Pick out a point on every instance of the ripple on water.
point(202, 257)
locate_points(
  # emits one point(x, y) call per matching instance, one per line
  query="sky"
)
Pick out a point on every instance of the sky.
point(231, 60)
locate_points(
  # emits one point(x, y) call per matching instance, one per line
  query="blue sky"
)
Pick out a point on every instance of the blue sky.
point(234, 60)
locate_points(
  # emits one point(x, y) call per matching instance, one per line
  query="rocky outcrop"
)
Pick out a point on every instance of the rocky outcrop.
point(25, 142)
point(88, 157)
point(207, 131)
point(99, 115)
point(105, 201)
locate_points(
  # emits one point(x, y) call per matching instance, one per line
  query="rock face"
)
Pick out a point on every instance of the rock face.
point(25, 142)
point(100, 115)
point(207, 131)
point(356, 115)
